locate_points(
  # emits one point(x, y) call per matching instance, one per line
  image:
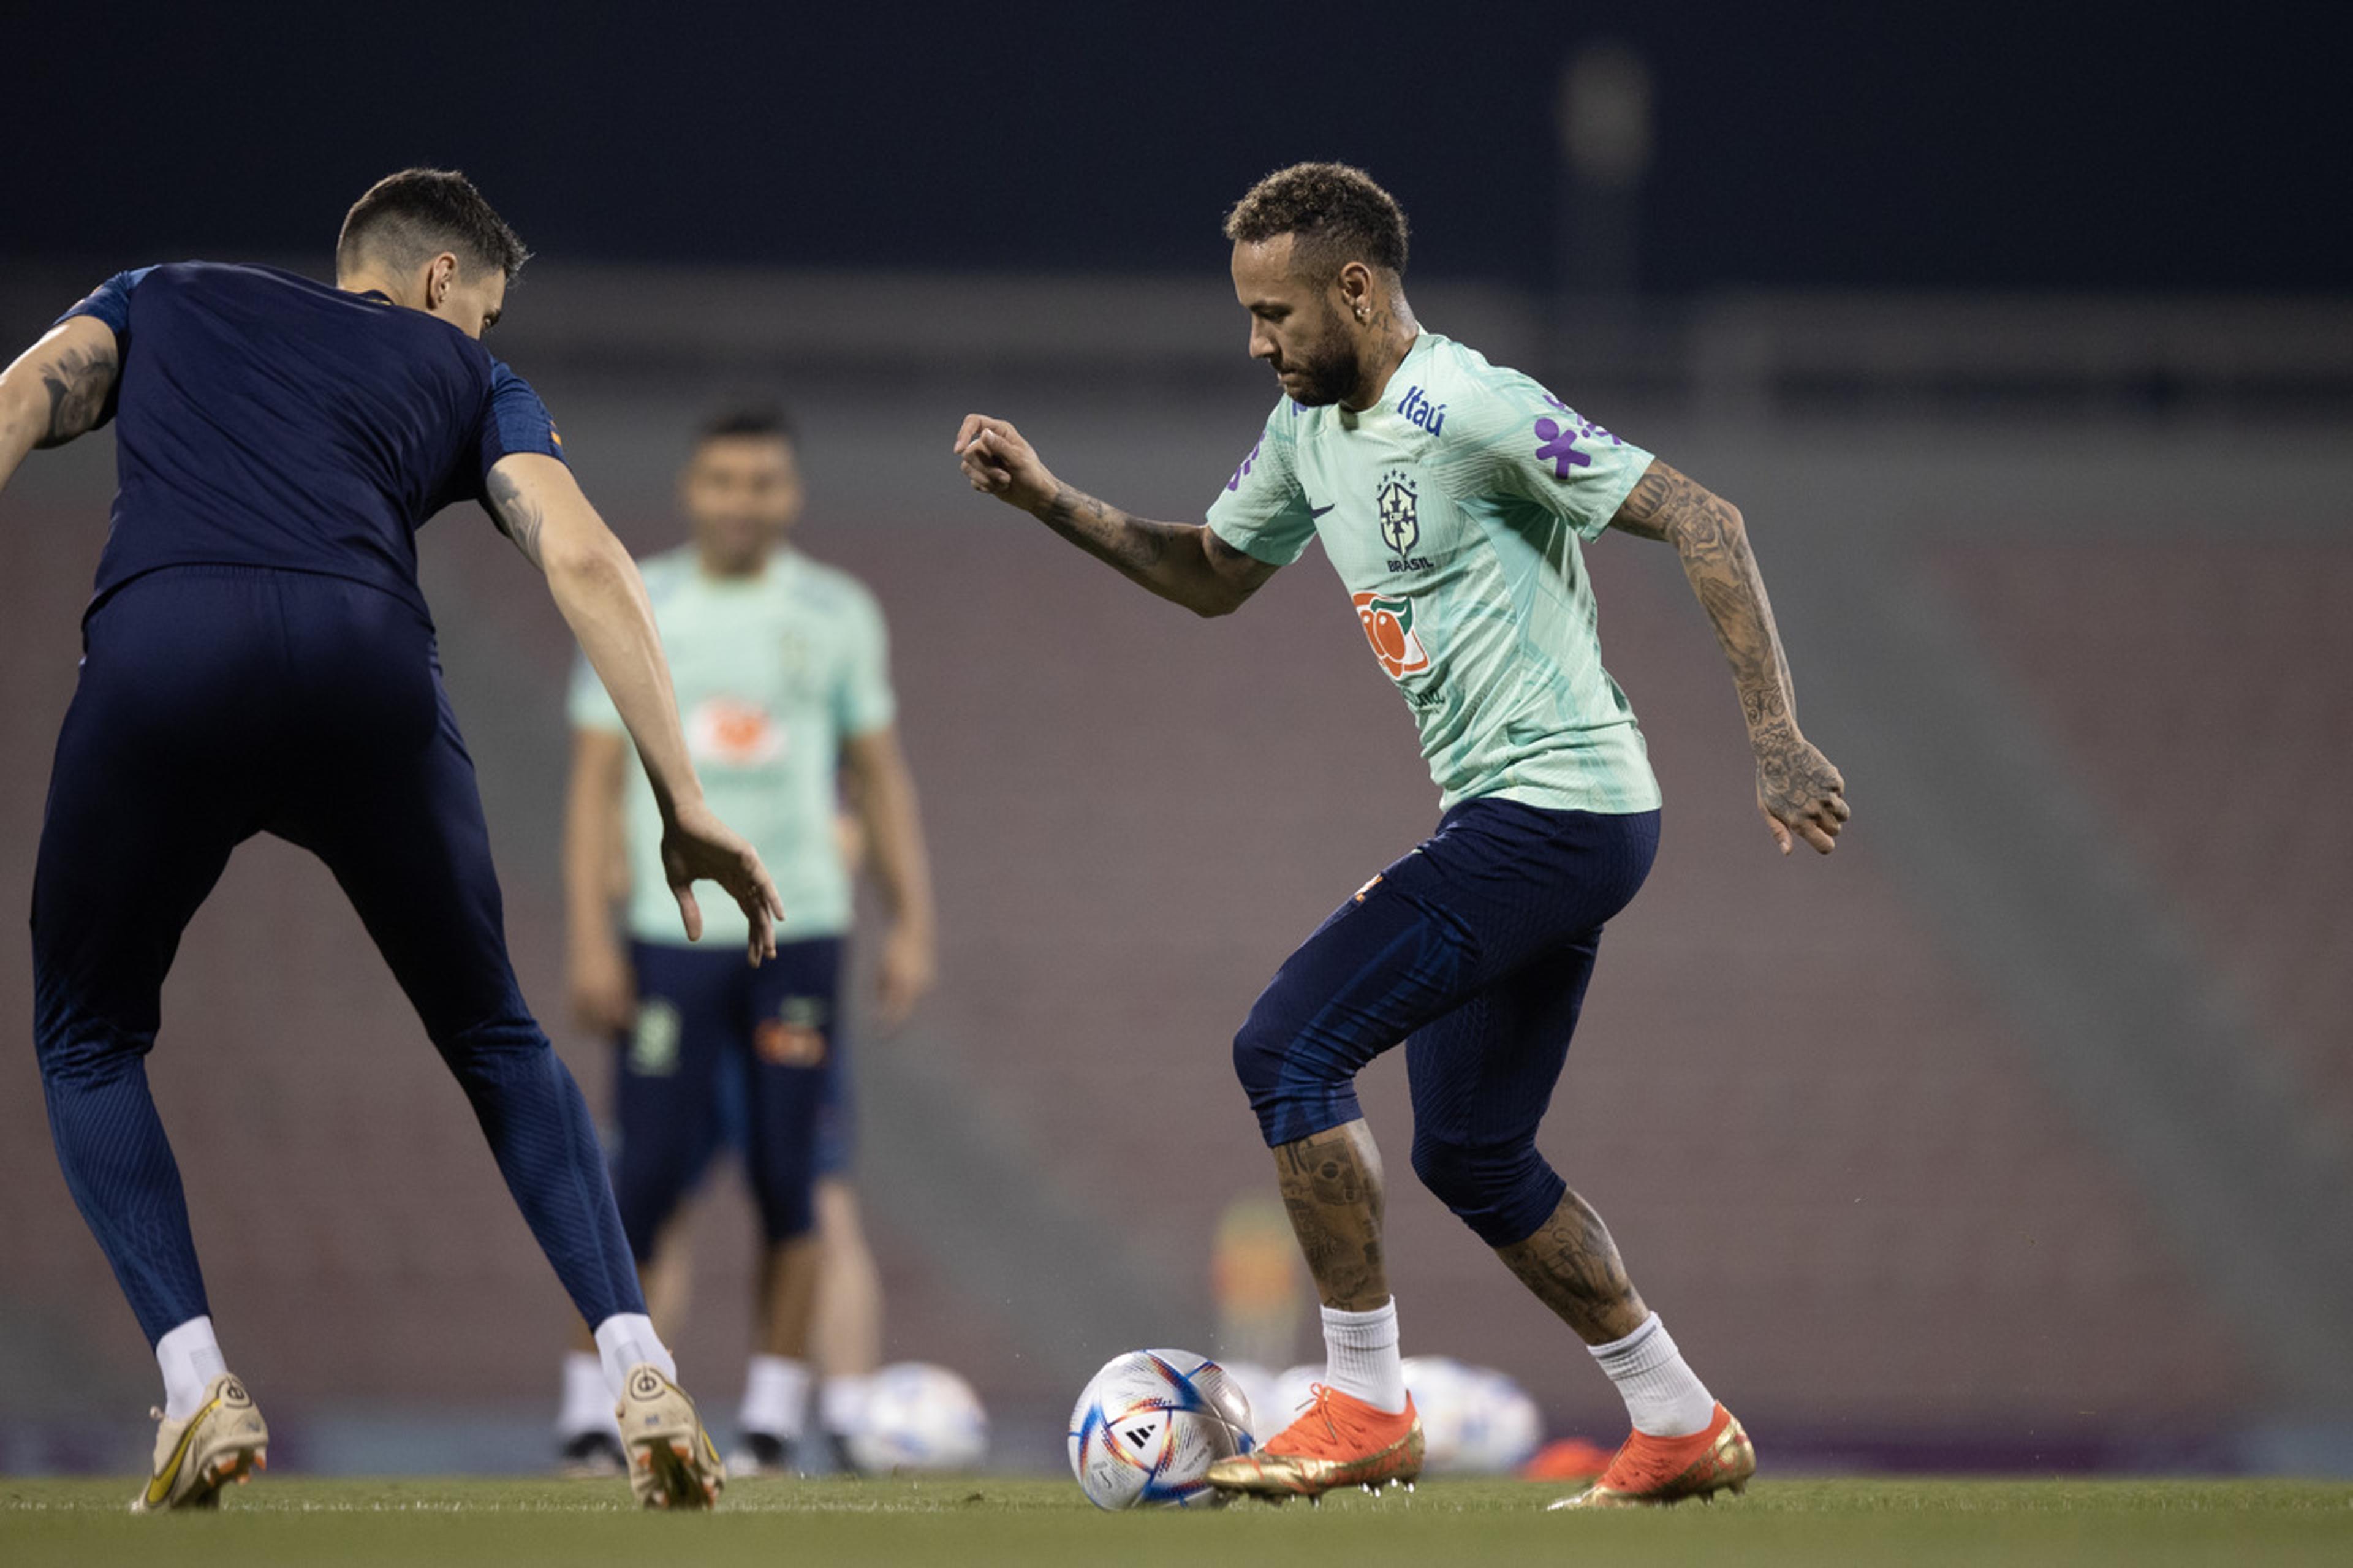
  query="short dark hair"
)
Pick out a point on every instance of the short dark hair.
point(406, 219)
point(753, 420)
point(1338, 213)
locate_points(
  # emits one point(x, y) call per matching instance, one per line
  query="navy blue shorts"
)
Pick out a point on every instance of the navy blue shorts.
point(1474, 951)
point(725, 1054)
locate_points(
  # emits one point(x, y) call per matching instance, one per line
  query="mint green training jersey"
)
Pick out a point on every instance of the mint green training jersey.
point(772, 673)
point(1453, 511)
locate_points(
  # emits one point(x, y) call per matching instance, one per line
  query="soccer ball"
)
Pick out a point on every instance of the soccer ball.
point(1149, 1425)
point(919, 1417)
point(1502, 1426)
point(1443, 1393)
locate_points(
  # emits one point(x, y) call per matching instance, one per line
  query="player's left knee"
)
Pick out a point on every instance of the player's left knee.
point(1503, 1192)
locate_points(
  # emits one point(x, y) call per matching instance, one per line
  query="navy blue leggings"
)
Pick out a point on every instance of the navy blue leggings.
point(1474, 950)
point(216, 703)
point(713, 1038)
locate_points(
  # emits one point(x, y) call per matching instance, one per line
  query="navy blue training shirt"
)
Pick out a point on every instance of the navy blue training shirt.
point(263, 419)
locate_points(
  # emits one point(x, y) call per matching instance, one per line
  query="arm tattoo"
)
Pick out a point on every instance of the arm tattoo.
point(1104, 532)
point(1185, 563)
point(1707, 534)
point(78, 382)
point(517, 515)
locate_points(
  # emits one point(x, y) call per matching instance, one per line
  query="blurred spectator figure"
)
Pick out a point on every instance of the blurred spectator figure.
point(783, 683)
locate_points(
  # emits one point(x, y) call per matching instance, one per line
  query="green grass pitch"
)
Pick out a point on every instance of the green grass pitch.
point(986, 1520)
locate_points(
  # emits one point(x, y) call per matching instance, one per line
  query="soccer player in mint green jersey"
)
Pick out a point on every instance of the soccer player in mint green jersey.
point(784, 687)
point(1454, 499)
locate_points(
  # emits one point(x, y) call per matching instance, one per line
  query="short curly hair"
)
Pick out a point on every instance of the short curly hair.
point(1337, 211)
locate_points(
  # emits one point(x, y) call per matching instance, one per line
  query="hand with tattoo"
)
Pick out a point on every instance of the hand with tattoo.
point(1798, 790)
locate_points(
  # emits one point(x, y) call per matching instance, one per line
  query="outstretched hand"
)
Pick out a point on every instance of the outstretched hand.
point(998, 462)
point(1799, 792)
point(697, 846)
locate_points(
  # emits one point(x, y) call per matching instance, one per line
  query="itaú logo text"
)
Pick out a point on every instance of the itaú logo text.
point(1387, 620)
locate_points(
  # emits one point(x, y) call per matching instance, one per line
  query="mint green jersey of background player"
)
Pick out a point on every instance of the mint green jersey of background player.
point(1452, 498)
point(781, 671)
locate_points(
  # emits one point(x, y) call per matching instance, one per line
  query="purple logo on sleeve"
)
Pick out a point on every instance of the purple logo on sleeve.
point(1236, 482)
point(1558, 445)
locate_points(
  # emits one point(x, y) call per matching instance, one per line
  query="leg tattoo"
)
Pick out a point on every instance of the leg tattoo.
point(1573, 1267)
point(1330, 1183)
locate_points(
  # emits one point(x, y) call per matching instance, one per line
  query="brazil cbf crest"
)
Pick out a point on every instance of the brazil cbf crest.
point(1401, 516)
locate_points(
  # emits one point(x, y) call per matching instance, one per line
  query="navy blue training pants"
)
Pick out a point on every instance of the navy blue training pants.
point(216, 703)
point(1473, 950)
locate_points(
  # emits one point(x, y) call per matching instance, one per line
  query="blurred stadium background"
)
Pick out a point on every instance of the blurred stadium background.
point(2019, 1135)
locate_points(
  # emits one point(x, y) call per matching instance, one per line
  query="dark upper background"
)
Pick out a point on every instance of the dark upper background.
point(2161, 146)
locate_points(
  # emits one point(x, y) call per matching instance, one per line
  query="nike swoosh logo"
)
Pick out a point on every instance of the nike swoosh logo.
point(1320, 510)
point(160, 1486)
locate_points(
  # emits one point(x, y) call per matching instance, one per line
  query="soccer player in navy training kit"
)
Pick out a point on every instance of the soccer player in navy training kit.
point(258, 658)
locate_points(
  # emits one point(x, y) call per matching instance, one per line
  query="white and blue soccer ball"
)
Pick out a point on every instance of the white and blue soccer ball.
point(1149, 1425)
point(919, 1417)
point(1502, 1427)
point(1443, 1393)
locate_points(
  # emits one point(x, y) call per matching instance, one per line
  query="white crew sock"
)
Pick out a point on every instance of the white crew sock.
point(1360, 1356)
point(623, 1341)
point(191, 1359)
point(1666, 1397)
point(587, 1404)
point(842, 1402)
point(775, 1396)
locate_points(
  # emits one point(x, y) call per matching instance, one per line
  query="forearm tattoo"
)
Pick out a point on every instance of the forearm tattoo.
point(1707, 534)
point(1331, 1185)
point(1573, 1267)
point(1185, 563)
point(1101, 530)
point(517, 514)
point(78, 382)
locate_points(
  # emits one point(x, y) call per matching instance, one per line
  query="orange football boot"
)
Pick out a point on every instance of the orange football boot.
point(1339, 1441)
point(1650, 1471)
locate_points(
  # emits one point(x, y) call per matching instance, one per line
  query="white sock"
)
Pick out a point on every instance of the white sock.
point(842, 1402)
point(775, 1396)
point(1666, 1397)
point(1360, 1356)
point(587, 1404)
point(623, 1341)
point(191, 1359)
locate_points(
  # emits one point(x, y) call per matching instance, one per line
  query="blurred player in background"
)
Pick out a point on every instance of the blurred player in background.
point(259, 659)
point(1452, 496)
point(784, 683)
